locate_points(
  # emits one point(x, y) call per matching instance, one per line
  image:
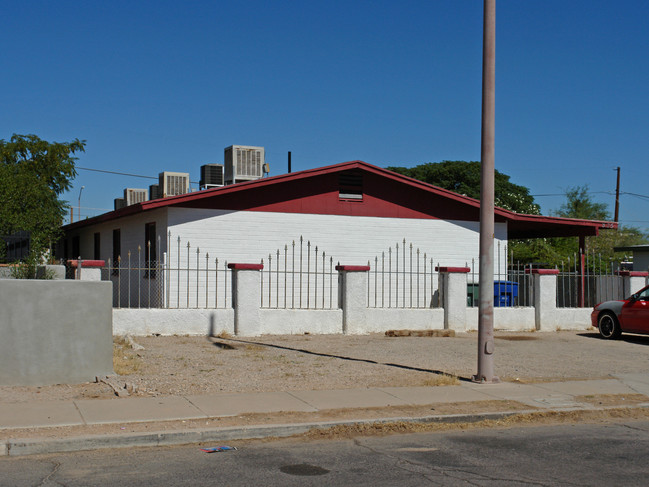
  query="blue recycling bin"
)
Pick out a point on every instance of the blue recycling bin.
point(504, 293)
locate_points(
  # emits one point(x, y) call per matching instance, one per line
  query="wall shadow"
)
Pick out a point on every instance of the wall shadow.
point(212, 338)
point(351, 359)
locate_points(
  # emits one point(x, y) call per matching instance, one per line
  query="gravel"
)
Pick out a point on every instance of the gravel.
point(180, 365)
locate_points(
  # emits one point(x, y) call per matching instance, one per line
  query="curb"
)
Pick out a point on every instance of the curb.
point(37, 446)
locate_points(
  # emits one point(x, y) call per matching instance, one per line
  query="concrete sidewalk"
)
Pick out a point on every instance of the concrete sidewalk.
point(539, 396)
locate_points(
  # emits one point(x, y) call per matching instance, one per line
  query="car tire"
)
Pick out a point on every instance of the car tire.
point(609, 326)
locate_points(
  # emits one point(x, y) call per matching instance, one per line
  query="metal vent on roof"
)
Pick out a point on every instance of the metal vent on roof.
point(350, 185)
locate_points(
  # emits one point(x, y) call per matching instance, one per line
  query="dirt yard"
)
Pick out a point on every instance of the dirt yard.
point(180, 365)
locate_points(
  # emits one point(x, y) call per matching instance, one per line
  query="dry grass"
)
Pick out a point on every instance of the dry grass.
point(524, 419)
point(441, 380)
point(125, 360)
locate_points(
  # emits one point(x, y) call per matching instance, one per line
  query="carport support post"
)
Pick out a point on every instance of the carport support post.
point(582, 270)
point(545, 298)
point(352, 297)
point(454, 294)
point(246, 292)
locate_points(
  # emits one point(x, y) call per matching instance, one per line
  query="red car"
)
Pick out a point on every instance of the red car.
point(630, 315)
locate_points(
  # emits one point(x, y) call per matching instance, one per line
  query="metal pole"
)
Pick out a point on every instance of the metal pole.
point(486, 312)
point(79, 204)
point(289, 161)
point(617, 195)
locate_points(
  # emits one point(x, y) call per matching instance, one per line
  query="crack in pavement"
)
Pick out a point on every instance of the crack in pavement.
point(55, 469)
point(448, 472)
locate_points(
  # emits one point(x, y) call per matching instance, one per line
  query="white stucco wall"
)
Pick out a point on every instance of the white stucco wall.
point(140, 322)
point(299, 321)
point(381, 320)
point(505, 319)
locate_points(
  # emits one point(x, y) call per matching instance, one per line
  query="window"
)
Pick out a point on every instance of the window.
point(117, 250)
point(97, 253)
point(150, 250)
point(350, 186)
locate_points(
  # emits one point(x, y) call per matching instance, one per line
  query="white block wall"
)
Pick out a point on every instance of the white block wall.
point(249, 236)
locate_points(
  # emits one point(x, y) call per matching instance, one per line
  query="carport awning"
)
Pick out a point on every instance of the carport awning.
point(537, 226)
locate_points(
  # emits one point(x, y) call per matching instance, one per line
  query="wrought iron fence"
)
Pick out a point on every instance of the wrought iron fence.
point(184, 278)
point(299, 277)
point(403, 278)
point(599, 282)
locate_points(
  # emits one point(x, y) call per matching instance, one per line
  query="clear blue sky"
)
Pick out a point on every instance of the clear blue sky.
point(163, 85)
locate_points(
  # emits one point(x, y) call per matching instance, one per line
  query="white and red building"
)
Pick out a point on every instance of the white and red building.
point(357, 214)
point(353, 211)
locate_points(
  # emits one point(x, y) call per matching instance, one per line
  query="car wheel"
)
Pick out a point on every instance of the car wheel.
point(608, 325)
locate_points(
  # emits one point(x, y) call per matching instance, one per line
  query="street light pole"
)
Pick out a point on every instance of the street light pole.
point(486, 307)
point(79, 204)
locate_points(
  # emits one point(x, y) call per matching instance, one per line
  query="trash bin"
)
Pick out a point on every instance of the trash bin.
point(504, 293)
point(472, 294)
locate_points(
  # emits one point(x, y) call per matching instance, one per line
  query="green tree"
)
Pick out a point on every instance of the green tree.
point(464, 178)
point(33, 174)
point(580, 205)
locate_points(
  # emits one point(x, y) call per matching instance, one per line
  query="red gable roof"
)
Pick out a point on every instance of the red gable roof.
point(384, 194)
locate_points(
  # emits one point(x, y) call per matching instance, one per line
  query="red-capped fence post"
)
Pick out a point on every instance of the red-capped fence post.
point(545, 298)
point(453, 284)
point(246, 289)
point(632, 281)
point(352, 297)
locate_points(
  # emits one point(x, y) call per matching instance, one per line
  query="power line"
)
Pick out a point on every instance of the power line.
point(563, 194)
point(118, 173)
point(122, 173)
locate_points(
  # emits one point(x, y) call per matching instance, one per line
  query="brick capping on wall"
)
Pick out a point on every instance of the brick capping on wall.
point(633, 273)
point(465, 270)
point(87, 263)
point(543, 272)
point(353, 268)
point(245, 267)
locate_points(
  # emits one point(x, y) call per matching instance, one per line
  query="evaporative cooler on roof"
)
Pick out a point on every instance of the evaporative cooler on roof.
point(243, 163)
point(173, 183)
point(135, 195)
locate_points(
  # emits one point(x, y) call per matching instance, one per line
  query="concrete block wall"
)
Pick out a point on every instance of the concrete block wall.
point(55, 331)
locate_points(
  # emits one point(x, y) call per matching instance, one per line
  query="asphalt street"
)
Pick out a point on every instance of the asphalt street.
point(577, 455)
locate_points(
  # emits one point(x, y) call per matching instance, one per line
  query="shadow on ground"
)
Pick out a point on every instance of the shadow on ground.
point(629, 338)
point(222, 344)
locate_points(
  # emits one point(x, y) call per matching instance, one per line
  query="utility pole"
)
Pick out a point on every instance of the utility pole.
point(486, 307)
point(79, 203)
point(617, 195)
